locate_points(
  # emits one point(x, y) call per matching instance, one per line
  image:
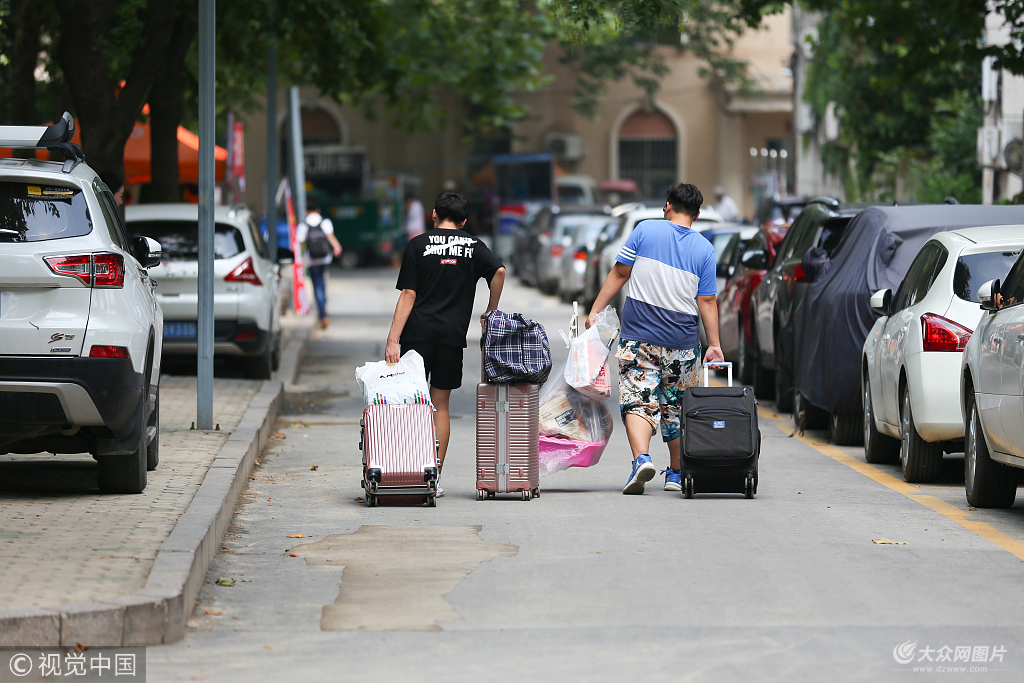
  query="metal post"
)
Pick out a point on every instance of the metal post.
point(270, 206)
point(207, 95)
point(298, 166)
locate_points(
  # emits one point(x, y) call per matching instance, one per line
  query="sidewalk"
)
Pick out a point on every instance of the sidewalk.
point(81, 566)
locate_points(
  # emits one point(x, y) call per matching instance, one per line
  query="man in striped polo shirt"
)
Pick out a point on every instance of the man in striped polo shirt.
point(670, 270)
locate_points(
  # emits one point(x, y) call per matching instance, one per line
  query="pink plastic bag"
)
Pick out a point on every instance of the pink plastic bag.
point(561, 454)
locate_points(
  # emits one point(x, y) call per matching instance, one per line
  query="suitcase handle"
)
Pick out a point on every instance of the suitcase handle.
point(726, 364)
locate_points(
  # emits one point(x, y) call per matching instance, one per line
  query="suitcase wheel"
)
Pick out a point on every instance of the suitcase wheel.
point(371, 501)
point(748, 487)
point(431, 502)
point(527, 494)
point(536, 492)
point(480, 494)
point(688, 487)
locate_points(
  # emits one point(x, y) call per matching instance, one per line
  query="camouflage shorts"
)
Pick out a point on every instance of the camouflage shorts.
point(652, 380)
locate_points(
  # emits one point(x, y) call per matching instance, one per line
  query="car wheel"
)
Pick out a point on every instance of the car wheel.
point(153, 435)
point(845, 430)
point(921, 460)
point(261, 366)
point(275, 358)
point(807, 415)
point(744, 361)
point(125, 473)
point(878, 448)
point(989, 484)
point(764, 379)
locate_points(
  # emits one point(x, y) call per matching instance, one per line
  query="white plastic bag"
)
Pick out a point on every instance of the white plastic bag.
point(403, 382)
point(586, 371)
point(574, 429)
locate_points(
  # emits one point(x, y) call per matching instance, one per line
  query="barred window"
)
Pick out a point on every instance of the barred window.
point(648, 152)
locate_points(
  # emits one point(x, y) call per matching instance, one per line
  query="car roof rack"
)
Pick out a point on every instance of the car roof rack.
point(56, 137)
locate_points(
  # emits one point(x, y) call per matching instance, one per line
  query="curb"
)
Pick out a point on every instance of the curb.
point(157, 613)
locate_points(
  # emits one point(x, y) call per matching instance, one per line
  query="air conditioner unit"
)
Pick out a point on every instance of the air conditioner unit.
point(989, 149)
point(565, 146)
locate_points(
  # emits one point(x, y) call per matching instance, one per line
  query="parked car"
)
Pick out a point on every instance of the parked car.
point(743, 264)
point(574, 262)
point(778, 212)
point(912, 356)
point(525, 237)
point(80, 328)
point(820, 224)
point(247, 285)
point(992, 390)
point(832, 321)
point(577, 189)
point(556, 226)
point(729, 240)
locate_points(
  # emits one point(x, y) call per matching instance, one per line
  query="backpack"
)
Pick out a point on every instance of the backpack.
point(515, 349)
point(317, 245)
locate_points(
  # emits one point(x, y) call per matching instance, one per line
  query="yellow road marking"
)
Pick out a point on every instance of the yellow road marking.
point(947, 510)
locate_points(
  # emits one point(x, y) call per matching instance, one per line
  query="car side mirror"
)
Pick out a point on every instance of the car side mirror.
point(881, 302)
point(147, 251)
point(987, 294)
point(755, 259)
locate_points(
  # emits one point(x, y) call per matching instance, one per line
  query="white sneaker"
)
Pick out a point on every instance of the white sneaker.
point(440, 493)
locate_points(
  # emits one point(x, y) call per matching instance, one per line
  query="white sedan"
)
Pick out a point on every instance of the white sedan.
point(992, 385)
point(911, 361)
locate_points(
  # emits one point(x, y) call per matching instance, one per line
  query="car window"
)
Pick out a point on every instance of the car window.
point(904, 293)
point(974, 270)
point(571, 194)
point(179, 240)
point(729, 252)
point(257, 238)
point(35, 213)
point(797, 241)
point(831, 233)
point(113, 216)
point(924, 269)
point(720, 242)
point(1012, 288)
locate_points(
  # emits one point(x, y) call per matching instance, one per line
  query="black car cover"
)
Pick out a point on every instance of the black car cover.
point(834, 318)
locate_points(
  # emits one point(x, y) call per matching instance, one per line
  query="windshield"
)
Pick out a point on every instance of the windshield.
point(34, 213)
point(571, 194)
point(974, 270)
point(566, 226)
point(180, 239)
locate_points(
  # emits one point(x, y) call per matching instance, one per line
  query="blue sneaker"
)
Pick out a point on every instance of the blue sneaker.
point(643, 471)
point(673, 479)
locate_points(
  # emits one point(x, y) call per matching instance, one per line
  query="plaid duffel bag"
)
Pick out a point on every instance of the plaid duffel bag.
point(515, 349)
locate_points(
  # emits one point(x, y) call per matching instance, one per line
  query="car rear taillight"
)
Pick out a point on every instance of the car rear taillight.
point(94, 270)
point(245, 336)
point(557, 250)
point(799, 275)
point(580, 255)
point(109, 352)
point(244, 272)
point(942, 334)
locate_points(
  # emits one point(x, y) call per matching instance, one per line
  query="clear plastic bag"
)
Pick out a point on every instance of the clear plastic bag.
point(586, 370)
point(574, 428)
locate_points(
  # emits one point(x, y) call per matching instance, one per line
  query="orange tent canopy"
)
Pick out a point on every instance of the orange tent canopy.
point(137, 156)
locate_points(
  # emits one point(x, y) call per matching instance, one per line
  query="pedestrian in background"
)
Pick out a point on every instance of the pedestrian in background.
point(670, 269)
point(725, 206)
point(317, 234)
point(438, 280)
point(414, 219)
point(116, 186)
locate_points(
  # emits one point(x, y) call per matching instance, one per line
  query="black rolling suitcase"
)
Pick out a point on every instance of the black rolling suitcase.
point(721, 441)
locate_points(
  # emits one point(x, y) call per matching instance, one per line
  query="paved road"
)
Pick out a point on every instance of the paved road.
point(585, 583)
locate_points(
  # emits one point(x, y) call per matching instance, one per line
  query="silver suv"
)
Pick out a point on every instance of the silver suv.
point(80, 328)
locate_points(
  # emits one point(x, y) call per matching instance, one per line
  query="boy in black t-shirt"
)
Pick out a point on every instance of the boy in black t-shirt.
point(438, 282)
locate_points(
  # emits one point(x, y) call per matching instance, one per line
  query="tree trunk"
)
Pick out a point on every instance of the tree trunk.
point(24, 56)
point(106, 118)
point(166, 108)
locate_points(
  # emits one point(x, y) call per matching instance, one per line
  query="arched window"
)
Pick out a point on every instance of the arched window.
point(648, 152)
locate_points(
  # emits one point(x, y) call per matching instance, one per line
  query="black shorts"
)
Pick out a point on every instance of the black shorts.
point(443, 363)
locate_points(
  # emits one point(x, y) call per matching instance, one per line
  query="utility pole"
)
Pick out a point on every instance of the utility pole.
point(270, 203)
point(298, 163)
point(204, 323)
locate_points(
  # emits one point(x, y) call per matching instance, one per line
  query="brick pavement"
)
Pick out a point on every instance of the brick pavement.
point(61, 541)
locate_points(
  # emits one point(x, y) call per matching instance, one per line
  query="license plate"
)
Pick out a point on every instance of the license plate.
point(177, 330)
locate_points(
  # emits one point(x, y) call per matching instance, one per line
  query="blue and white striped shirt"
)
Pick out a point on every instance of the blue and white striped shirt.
point(672, 266)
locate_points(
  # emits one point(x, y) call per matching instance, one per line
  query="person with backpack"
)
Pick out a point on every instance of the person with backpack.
point(317, 233)
point(438, 280)
point(670, 269)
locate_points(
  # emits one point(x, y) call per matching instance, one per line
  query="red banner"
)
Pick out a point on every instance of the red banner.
point(300, 297)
